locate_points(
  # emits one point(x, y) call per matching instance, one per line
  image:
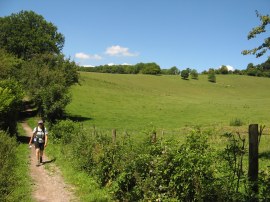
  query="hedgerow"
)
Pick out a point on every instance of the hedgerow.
point(160, 170)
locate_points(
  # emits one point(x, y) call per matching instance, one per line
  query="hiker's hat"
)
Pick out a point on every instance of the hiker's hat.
point(40, 122)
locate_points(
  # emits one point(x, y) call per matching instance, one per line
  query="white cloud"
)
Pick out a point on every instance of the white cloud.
point(111, 64)
point(82, 56)
point(88, 56)
point(88, 65)
point(126, 64)
point(230, 68)
point(119, 51)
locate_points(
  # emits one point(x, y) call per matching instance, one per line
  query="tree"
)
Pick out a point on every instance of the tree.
point(212, 76)
point(9, 65)
point(150, 68)
point(26, 34)
point(173, 71)
point(194, 74)
point(260, 50)
point(224, 70)
point(47, 78)
point(185, 74)
point(11, 95)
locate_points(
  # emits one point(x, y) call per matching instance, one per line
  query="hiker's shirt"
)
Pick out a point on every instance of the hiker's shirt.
point(39, 134)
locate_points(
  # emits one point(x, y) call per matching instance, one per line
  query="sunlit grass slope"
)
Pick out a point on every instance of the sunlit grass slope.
point(133, 102)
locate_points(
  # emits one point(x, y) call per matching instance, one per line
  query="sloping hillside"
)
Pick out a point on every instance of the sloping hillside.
point(133, 102)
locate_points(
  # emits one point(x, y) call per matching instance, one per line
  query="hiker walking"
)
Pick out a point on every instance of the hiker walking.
point(40, 137)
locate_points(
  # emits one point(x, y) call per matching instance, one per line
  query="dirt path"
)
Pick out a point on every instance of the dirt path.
point(49, 185)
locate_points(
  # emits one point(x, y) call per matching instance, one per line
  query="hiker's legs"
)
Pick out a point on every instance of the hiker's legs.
point(38, 155)
point(41, 146)
point(41, 155)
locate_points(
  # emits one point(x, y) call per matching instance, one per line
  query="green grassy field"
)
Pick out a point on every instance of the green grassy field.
point(133, 102)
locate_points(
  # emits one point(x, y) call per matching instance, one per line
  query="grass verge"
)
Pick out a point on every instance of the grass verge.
point(86, 188)
point(23, 190)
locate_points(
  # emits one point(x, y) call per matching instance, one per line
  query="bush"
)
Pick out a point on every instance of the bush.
point(159, 170)
point(236, 122)
point(48, 85)
point(194, 74)
point(185, 74)
point(212, 77)
point(8, 181)
point(151, 68)
point(11, 95)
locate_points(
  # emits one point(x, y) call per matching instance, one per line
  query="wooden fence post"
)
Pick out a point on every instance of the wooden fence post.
point(253, 165)
point(114, 136)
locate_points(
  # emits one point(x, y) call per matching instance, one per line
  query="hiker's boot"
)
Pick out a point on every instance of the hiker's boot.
point(40, 159)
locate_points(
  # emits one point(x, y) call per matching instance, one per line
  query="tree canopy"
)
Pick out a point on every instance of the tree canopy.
point(26, 34)
point(260, 50)
point(30, 54)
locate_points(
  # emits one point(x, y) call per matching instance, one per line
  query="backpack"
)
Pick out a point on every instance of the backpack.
point(39, 135)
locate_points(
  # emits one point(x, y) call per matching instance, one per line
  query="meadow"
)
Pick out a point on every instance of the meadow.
point(135, 102)
point(136, 105)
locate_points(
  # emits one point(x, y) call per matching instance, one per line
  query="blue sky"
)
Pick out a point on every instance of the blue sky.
point(183, 33)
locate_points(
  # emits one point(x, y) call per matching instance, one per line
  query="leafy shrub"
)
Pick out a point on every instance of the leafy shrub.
point(185, 74)
point(11, 95)
point(48, 85)
point(64, 131)
point(224, 69)
point(236, 122)
point(264, 183)
point(151, 68)
point(194, 74)
point(8, 181)
point(212, 77)
point(160, 170)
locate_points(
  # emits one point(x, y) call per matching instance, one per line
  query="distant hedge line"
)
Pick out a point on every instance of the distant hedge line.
point(143, 68)
point(260, 70)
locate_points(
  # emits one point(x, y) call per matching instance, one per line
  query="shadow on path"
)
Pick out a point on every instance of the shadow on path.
point(50, 161)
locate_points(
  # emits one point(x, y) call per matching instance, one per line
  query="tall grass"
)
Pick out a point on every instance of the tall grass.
point(15, 180)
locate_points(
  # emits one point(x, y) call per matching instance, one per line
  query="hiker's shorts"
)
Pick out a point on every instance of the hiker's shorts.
point(39, 146)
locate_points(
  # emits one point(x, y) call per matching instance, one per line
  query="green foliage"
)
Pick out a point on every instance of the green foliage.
point(8, 181)
point(194, 74)
point(264, 184)
point(26, 34)
point(64, 132)
point(9, 65)
point(236, 122)
point(172, 71)
point(264, 47)
point(224, 70)
point(144, 68)
point(161, 170)
point(47, 78)
point(151, 68)
point(232, 167)
point(185, 74)
point(212, 77)
point(11, 95)
point(53, 99)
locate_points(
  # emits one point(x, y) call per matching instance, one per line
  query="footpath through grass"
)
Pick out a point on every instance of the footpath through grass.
point(85, 187)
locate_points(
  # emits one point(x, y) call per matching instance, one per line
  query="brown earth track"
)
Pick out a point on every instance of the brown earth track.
point(49, 185)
